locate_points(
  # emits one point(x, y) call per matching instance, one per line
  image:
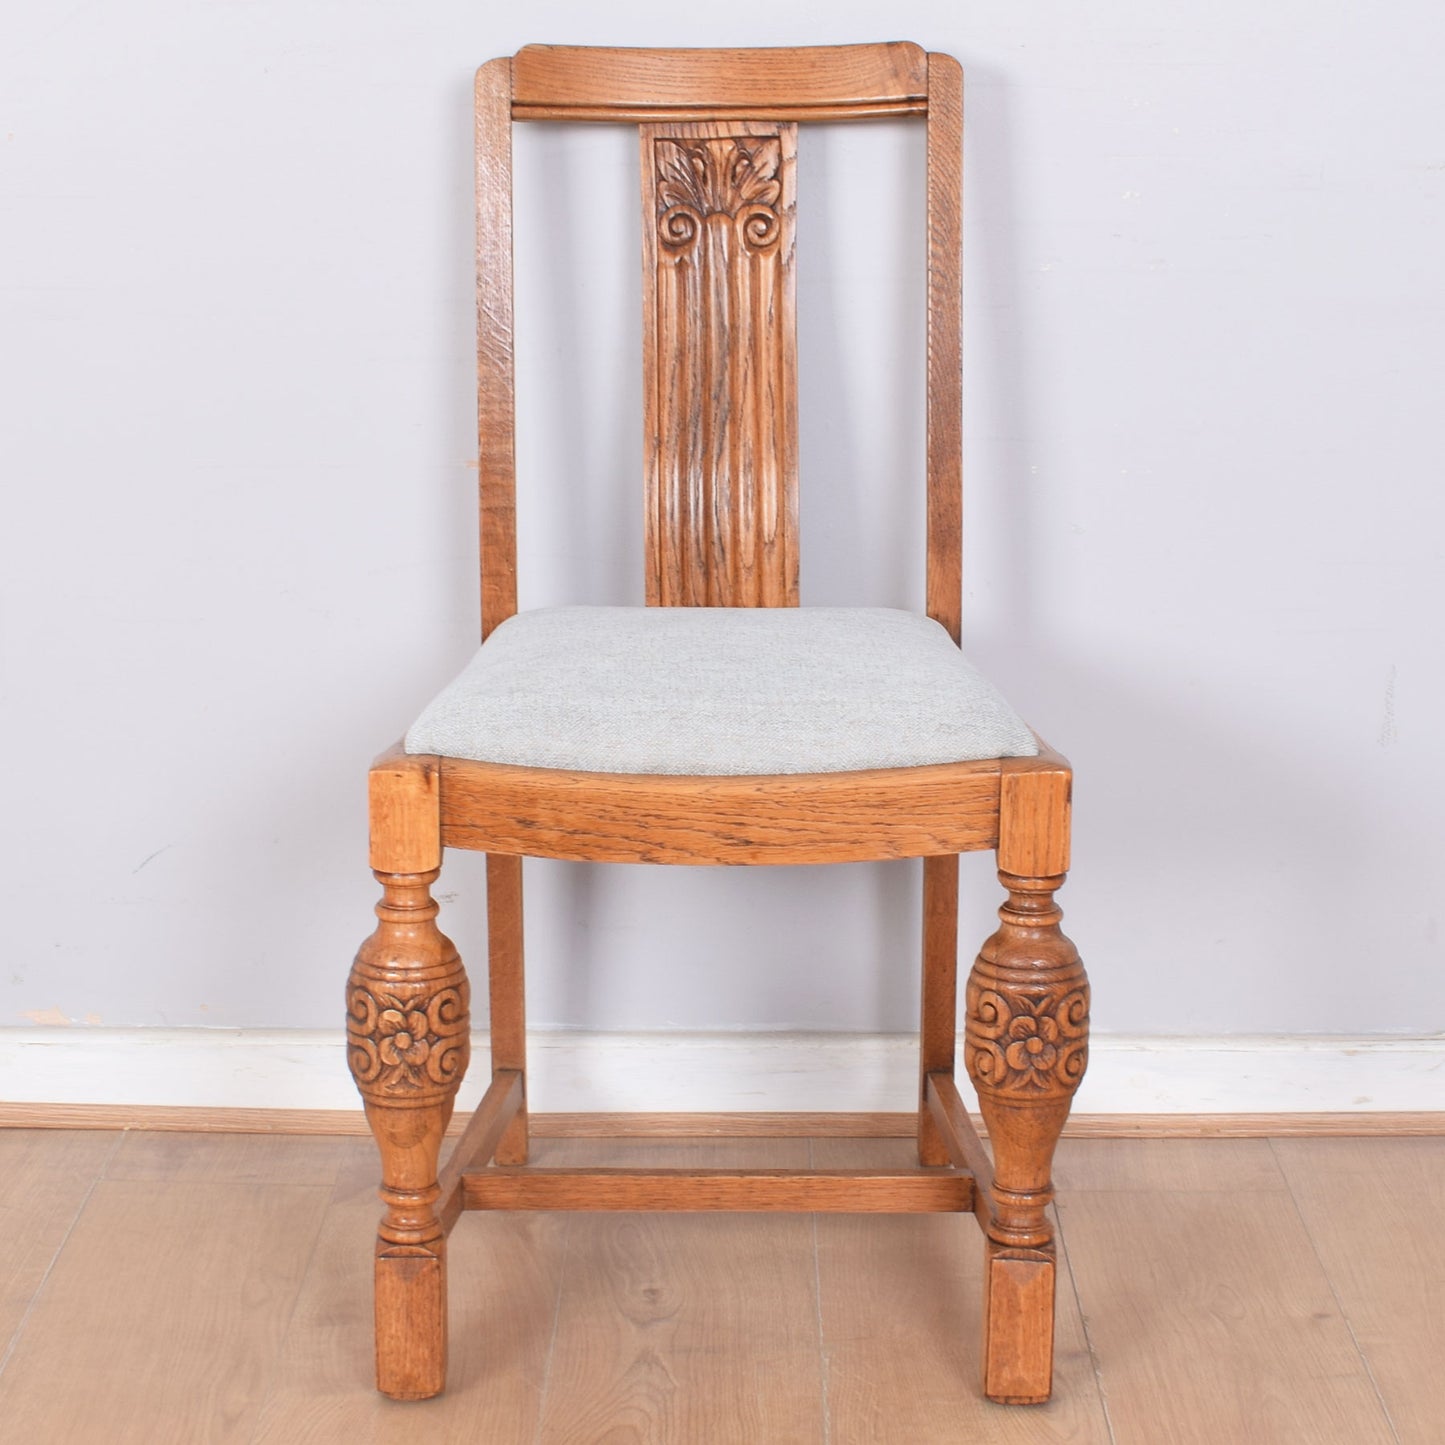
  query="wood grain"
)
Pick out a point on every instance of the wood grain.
point(44, 1180)
point(163, 1159)
point(721, 469)
point(1417, 1124)
point(1166, 1165)
point(684, 1327)
point(163, 1318)
point(938, 995)
point(1361, 1124)
point(654, 818)
point(956, 1132)
point(1035, 814)
point(159, 1318)
point(506, 991)
point(1373, 1208)
point(408, 1040)
point(1212, 1320)
point(835, 82)
point(1026, 1047)
point(763, 1124)
point(719, 346)
point(900, 1319)
point(945, 348)
point(691, 1189)
point(479, 1141)
point(404, 797)
point(496, 382)
point(505, 1270)
point(1018, 1324)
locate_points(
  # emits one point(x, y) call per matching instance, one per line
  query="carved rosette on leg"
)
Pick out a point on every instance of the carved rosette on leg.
point(1026, 1047)
point(408, 1040)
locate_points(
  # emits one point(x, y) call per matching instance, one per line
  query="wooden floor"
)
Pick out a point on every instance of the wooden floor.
point(198, 1288)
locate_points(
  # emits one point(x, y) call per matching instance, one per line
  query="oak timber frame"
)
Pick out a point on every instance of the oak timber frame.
point(718, 131)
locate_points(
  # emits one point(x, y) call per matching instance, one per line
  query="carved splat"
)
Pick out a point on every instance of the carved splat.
point(719, 348)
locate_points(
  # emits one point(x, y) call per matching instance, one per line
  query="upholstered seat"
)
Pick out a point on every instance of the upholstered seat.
point(720, 691)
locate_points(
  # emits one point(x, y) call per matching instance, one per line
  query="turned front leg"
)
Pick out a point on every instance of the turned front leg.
point(1027, 1041)
point(408, 1043)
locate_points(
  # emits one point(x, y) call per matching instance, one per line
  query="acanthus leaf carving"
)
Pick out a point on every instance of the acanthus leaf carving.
point(735, 177)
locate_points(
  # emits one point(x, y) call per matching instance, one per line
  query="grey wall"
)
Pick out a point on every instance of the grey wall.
point(1205, 348)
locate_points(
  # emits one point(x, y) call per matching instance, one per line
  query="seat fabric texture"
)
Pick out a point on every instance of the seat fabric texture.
point(725, 691)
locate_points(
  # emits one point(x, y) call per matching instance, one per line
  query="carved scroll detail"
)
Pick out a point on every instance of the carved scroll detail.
point(401, 1040)
point(719, 354)
point(407, 1043)
point(407, 1022)
point(1023, 1043)
point(735, 177)
point(1026, 1045)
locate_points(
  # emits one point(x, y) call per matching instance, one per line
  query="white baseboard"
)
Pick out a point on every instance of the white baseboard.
point(686, 1072)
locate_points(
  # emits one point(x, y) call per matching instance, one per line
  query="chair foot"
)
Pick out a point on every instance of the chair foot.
point(1018, 1324)
point(411, 1320)
point(407, 1045)
point(1027, 1047)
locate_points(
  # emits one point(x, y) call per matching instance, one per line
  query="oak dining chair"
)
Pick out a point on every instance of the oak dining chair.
point(722, 723)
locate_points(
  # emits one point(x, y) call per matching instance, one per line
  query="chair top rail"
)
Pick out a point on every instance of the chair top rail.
point(819, 83)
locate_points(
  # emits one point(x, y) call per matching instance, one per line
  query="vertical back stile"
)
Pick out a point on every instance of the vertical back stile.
point(496, 398)
point(945, 356)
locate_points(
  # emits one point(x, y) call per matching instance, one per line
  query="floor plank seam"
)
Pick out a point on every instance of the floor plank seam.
point(285, 1335)
point(30, 1305)
point(1193, 1351)
point(1094, 1362)
point(104, 1171)
point(818, 1314)
point(537, 1439)
point(1369, 1369)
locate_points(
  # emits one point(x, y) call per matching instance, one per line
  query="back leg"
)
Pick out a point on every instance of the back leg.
point(507, 987)
point(939, 1025)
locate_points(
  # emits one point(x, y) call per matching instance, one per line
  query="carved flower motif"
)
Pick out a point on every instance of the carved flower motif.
point(402, 1038)
point(1033, 1043)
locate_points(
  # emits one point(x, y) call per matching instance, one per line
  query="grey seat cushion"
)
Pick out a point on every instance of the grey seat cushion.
point(727, 691)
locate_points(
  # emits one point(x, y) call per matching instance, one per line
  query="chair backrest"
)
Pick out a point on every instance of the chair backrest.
point(718, 133)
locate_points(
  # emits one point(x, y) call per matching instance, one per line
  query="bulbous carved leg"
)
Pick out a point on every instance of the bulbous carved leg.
point(1026, 1040)
point(408, 1041)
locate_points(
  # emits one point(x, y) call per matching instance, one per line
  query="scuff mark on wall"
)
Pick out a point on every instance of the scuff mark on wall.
point(1388, 732)
point(150, 857)
point(46, 1017)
